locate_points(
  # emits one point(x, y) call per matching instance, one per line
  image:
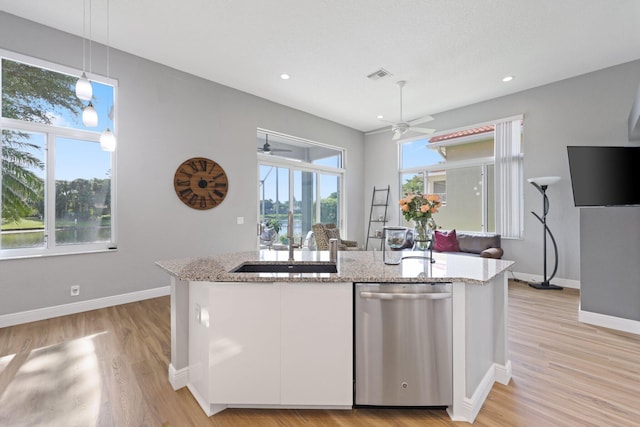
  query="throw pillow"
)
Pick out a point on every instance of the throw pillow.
point(492, 253)
point(446, 241)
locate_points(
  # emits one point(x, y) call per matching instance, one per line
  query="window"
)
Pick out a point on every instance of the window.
point(460, 166)
point(57, 185)
point(300, 176)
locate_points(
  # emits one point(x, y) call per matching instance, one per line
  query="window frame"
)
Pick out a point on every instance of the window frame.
point(51, 132)
point(483, 162)
point(296, 165)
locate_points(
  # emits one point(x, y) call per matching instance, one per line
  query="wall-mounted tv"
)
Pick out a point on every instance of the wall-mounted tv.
point(605, 176)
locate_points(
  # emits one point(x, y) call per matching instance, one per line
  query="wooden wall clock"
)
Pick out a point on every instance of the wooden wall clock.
point(201, 183)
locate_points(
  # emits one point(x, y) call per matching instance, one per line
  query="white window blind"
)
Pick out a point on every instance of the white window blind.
point(508, 182)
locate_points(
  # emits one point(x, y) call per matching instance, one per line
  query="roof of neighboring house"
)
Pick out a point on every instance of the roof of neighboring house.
point(463, 133)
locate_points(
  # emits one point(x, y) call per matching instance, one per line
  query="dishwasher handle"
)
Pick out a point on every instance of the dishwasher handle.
point(410, 296)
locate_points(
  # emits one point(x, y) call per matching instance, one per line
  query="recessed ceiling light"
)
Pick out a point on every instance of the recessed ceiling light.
point(285, 76)
point(380, 117)
point(507, 78)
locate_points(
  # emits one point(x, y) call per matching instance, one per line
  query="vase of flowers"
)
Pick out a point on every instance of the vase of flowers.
point(420, 209)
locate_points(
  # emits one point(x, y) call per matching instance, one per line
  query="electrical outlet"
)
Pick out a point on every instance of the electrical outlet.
point(75, 290)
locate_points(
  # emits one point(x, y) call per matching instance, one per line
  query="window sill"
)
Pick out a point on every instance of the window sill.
point(21, 254)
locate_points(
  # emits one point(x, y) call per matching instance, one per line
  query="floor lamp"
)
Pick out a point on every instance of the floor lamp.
point(541, 183)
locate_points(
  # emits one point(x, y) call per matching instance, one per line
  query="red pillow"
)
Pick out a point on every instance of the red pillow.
point(446, 241)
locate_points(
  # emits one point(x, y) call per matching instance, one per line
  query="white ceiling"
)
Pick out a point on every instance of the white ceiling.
point(451, 52)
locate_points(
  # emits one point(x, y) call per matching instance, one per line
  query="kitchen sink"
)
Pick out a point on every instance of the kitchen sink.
point(265, 267)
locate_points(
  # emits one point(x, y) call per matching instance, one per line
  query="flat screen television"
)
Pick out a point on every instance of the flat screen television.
point(605, 176)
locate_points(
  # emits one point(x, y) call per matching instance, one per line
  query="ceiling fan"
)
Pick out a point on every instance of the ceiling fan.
point(402, 127)
point(266, 148)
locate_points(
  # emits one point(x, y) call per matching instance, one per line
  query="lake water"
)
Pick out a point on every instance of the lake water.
point(64, 236)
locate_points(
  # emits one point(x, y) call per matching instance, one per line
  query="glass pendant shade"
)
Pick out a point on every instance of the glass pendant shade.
point(108, 141)
point(90, 116)
point(84, 91)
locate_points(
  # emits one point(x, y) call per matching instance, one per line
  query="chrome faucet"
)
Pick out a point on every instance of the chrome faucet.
point(290, 235)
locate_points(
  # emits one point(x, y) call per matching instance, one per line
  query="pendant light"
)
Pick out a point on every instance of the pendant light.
point(108, 139)
point(90, 116)
point(84, 91)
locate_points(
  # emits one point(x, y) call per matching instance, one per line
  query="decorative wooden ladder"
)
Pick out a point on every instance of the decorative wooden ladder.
point(377, 215)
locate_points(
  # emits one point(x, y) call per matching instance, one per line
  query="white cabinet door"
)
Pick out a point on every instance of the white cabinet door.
point(317, 345)
point(198, 339)
point(244, 343)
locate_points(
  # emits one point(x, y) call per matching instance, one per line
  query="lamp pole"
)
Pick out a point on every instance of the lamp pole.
point(542, 183)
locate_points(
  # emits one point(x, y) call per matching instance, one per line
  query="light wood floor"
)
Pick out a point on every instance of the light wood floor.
point(109, 368)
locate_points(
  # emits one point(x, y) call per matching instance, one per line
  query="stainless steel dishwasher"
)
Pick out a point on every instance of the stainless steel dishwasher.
point(403, 344)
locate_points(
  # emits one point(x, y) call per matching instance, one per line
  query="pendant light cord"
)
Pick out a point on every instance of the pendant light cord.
point(90, 47)
point(108, 9)
point(401, 101)
point(84, 35)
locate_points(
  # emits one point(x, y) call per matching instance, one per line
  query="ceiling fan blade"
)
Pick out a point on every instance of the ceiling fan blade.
point(422, 130)
point(377, 131)
point(273, 150)
point(419, 120)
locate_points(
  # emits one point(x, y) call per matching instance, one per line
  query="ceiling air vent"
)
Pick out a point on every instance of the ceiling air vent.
point(379, 74)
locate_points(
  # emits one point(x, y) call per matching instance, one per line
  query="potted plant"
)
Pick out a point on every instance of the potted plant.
point(274, 224)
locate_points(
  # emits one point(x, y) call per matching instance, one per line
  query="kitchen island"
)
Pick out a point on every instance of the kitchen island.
point(285, 339)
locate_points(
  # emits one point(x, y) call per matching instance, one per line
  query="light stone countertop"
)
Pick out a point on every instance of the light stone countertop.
point(353, 266)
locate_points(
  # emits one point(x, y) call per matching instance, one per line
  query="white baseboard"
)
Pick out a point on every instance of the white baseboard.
point(611, 322)
point(178, 377)
point(534, 278)
point(208, 408)
point(503, 373)
point(472, 405)
point(81, 306)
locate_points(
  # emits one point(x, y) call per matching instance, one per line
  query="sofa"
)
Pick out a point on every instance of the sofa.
point(323, 232)
point(486, 245)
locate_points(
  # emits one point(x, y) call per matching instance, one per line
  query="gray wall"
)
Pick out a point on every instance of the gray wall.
point(165, 116)
point(610, 252)
point(591, 109)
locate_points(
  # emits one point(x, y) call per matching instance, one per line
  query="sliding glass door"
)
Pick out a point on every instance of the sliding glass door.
point(301, 176)
point(276, 185)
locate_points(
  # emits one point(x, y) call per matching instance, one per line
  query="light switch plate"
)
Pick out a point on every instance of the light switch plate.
point(240, 220)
